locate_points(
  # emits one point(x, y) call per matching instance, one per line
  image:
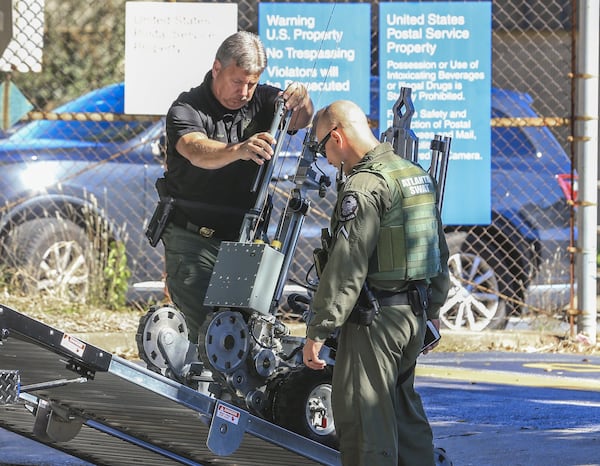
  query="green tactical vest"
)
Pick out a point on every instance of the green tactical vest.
point(408, 246)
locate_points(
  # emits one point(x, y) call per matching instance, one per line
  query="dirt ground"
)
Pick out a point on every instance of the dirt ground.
point(85, 319)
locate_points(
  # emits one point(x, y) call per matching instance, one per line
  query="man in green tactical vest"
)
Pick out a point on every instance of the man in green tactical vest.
point(385, 275)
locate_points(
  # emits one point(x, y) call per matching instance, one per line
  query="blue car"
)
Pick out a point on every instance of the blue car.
point(518, 263)
point(71, 189)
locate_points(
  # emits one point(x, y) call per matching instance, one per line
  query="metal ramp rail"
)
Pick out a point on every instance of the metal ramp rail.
point(106, 410)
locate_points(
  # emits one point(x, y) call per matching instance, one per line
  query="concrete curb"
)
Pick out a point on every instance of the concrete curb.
point(506, 377)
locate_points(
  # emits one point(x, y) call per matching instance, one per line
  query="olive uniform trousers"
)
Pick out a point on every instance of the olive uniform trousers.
point(380, 422)
point(189, 260)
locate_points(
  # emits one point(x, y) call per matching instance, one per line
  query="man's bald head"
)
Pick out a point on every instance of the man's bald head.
point(350, 135)
point(343, 114)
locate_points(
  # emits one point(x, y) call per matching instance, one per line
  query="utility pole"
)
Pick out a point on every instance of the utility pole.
point(586, 151)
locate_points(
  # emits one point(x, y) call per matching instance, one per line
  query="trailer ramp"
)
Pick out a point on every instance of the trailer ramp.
point(106, 410)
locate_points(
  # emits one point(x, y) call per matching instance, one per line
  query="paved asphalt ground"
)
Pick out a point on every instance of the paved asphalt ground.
point(496, 408)
point(487, 408)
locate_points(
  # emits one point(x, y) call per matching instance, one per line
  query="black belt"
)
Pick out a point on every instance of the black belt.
point(179, 219)
point(391, 298)
point(363, 313)
point(417, 297)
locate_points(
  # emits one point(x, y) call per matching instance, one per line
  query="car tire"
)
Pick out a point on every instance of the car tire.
point(52, 256)
point(295, 400)
point(467, 307)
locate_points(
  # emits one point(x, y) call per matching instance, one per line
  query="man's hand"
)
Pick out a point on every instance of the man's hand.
point(257, 148)
point(297, 99)
point(295, 96)
point(310, 354)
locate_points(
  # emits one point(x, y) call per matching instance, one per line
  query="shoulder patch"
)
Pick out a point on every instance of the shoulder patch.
point(348, 208)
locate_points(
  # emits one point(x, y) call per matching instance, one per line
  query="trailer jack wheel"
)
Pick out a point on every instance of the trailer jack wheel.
point(54, 423)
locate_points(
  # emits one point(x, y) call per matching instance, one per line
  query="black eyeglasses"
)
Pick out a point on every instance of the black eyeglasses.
point(321, 145)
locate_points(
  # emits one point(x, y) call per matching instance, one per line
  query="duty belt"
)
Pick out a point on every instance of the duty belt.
point(417, 296)
point(391, 298)
point(181, 220)
point(370, 302)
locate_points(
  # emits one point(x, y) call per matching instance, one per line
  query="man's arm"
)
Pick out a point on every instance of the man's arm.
point(210, 154)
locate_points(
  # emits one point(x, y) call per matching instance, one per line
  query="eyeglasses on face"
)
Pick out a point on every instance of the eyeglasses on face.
point(321, 145)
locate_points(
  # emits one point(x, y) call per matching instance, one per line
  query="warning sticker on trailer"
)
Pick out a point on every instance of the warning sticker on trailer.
point(228, 414)
point(73, 344)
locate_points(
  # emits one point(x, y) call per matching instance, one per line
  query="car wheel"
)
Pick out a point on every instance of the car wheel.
point(53, 257)
point(473, 301)
point(302, 403)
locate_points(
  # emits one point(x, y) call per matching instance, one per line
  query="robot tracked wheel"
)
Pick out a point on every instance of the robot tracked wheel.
point(156, 320)
point(225, 343)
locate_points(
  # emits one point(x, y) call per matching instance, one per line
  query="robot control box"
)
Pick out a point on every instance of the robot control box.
point(245, 276)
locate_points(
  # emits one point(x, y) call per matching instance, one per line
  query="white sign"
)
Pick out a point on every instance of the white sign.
point(169, 47)
point(73, 344)
point(24, 51)
point(228, 414)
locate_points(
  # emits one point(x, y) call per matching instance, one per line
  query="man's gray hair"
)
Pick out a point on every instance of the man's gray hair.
point(243, 49)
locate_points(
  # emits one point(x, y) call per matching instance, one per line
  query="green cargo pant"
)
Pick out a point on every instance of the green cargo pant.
point(189, 259)
point(378, 421)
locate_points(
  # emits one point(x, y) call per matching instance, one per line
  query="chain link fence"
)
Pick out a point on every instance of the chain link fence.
point(78, 181)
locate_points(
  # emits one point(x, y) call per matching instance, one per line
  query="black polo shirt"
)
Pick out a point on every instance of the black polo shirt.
point(199, 110)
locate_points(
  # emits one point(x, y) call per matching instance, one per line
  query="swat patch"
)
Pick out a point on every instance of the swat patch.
point(415, 185)
point(348, 207)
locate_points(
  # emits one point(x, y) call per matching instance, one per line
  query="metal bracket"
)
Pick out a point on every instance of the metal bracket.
point(81, 369)
point(226, 429)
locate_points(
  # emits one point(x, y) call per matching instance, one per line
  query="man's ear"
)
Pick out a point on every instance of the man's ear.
point(216, 67)
point(336, 136)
